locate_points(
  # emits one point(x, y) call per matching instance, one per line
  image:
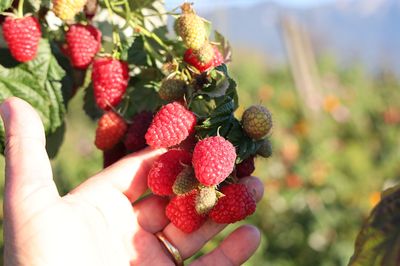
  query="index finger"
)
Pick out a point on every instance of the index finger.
point(128, 175)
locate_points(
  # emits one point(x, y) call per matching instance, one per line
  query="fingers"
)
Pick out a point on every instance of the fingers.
point(150, 213)
point(234, 250)
point(128, 175)
point(188, 244)
point(28, 169)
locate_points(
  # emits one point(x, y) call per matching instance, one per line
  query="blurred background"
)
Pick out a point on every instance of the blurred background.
point(329, 72)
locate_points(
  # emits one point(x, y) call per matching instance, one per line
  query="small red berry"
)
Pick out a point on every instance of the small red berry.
point(181, 211)
point(245, 168)
point(192, 58)
point(113, 155)
point(110, 79)
point(165, 169)
point(213, 160)
point(170, 126)
point(110, 129)
point(83, 42)
point(236, 205)
point(22, 36)
point(134, 139)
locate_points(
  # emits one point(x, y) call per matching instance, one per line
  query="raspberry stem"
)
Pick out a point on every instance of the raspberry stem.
point(21, 8)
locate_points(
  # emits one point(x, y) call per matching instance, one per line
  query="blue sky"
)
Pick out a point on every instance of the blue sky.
point(210, 3)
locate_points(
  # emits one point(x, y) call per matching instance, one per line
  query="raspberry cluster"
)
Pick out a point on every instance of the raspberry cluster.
point(206, 154)
point(150, 91)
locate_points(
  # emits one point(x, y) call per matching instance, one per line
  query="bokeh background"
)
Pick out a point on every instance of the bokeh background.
point(329, 72)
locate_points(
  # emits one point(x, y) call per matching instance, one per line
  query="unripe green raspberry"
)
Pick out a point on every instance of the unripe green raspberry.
point(191, 28)
point(265, 149)
point(185, 181)
point(206, 200)
point(257, 121)
point(172, 89)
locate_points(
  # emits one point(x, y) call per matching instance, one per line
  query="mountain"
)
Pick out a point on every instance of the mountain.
point(367, 31)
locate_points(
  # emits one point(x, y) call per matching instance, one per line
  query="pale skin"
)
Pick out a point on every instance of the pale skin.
point(96, 223)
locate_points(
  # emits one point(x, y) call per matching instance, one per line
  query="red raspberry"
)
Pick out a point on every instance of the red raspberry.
point(245, 168)
point(165, 169)
point(213, 160)
point(192, 58)
point(134, 139)
point(83, 41)
point(218, 58)
point(113, 155)
point(182, 213)
point(110, 79)
point(110, 129)
point(22, 36)
point(236, 205)
point(171, 125)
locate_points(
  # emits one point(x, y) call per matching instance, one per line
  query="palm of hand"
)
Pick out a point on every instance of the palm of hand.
point(95, 224)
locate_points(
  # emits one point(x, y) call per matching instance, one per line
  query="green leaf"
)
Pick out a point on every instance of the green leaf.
point(5, 4)
point(89, 104)
point(41, 82)
point(224, 46)
point(137, 54)
point(142, 97)
point(378, 243)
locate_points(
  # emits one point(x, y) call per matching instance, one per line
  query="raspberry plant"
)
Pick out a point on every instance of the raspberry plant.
point(146, 87)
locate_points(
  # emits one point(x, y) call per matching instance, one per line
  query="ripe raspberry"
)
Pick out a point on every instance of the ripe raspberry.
point(192, 58)
point(213, 160)
point(67, 9)
point(134, 139)
point(218, 58)
point(110, 129)
point(22, 36)
point(245, 168)
point(185, 181)
point(265, 149)
point(172, 89)
point(182, 213)
point(236, 205)
point(113, 155)
point(83, 42)
point(171, 125)
point(206, 200)
point(165, 169)
point(110, 79)
point(191, 28)
point(257, 121)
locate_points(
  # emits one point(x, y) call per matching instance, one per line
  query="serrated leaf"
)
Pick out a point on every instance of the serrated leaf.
point(136, 53)
point(224, 46)
point(378, 242)
point(226, 108)
point(202, 106)
point(143, 97)
point(40, 82)
point(5, 4)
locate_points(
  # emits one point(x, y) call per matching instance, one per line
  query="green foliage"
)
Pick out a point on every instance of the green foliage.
point(42, 82)
point(378, 243)
point(5, 4)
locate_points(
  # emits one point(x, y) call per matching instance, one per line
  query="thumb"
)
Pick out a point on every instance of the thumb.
point(29, 179)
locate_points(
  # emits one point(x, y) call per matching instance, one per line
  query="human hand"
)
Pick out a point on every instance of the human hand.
point(96, 223)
